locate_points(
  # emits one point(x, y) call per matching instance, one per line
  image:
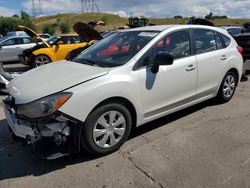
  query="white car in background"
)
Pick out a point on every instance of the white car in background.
point(16, 34)
point(233, 30)
point(11, 47)
point(123, 81)
point(45, 36)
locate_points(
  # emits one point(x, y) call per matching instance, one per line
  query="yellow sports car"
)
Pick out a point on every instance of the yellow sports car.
point(56, 48)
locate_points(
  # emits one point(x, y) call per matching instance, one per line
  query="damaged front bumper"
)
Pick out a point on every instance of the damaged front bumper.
point(63, 131)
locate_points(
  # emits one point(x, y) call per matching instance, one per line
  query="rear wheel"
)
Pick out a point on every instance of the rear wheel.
point(41, 60)
point(106, 129)
point(227, 88)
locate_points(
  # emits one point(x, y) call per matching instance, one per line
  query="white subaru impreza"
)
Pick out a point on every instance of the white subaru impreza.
point(123, 81)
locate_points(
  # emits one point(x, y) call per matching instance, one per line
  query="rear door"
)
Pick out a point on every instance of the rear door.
point(10, 49)
point(27, 43)
point(211, 58)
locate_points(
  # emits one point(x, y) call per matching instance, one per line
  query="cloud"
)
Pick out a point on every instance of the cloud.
point(156, 8)
point(7, 12)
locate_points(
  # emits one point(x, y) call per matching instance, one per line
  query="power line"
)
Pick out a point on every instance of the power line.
point(89, 6)
point(36, 8)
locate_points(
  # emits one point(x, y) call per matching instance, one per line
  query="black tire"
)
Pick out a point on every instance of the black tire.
point(45, 60)
point(221, 96)
point(88, 141)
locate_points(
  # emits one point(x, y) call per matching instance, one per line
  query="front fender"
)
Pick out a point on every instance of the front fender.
point(88, 95)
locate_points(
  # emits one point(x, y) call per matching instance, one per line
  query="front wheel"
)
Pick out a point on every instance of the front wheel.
point(106, 129)
point(227, 88)
point(41, 60)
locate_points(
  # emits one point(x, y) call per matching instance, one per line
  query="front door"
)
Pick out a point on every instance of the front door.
point(174, 85)
point(10, 49)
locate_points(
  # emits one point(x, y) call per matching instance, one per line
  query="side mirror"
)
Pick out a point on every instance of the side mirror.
point(164, 58)
point(60, 42)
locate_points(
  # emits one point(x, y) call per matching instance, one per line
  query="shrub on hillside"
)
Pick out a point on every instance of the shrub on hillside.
point(47, 28)
point(64, 27)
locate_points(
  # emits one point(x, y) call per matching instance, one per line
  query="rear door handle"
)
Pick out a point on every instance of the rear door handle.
point(224, 57)
point(190, 67)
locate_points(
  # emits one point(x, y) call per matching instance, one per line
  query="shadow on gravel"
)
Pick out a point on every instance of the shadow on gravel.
point(171, 118)
point(18, 160)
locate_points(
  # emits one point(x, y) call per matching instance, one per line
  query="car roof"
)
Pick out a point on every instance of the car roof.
point(231, 27)
point(10, 37)
point(165, 27)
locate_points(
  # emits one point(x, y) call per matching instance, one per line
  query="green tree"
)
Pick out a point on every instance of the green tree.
point(47, 28)
point(24, 15)
point(64, 27)
point(209, 16)
point(15, 16)
point(178, 17)
point(8, 24)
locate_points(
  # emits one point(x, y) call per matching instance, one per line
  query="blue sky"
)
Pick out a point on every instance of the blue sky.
point(150, 8)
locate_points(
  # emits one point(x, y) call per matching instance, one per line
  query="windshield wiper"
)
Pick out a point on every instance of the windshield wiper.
point(85, 61)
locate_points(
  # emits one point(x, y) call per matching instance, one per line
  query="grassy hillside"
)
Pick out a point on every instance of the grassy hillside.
point(115, 21)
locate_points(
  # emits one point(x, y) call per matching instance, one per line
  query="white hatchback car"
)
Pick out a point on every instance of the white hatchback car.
point(123, 81)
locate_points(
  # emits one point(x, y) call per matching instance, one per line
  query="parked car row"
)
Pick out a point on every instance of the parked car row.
point(123, 81)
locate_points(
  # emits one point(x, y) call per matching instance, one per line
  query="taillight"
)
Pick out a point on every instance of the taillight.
point(240, 49)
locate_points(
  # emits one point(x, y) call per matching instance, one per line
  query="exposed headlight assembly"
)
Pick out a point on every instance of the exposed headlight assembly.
point(43, 107)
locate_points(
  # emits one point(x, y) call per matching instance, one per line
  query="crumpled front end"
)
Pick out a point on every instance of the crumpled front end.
point(63, 131)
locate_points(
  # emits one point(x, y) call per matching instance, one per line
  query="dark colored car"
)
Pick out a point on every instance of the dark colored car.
point(243, 40)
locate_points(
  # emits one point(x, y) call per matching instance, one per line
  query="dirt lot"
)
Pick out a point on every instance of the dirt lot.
point(204, 146)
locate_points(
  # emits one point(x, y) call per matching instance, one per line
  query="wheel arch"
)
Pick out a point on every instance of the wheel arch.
point(236, 72)
point(123, 101)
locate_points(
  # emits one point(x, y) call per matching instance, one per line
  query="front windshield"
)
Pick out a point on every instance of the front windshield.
point(116, 49)
point(2, 39)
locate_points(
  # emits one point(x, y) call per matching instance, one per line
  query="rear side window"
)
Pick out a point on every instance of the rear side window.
point(218, 41)
point(204, 41)
point(26, 40)
point(226, 40)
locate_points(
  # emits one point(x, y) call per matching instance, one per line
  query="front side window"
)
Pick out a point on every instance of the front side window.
point(176, 43)
point(204, 41)
point(116, 49)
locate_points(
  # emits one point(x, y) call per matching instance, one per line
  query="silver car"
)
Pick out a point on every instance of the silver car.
point(11, 47)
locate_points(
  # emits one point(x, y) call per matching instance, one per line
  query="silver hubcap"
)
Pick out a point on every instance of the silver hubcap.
point(109, 129)
point(42, 60)
point(229, 86)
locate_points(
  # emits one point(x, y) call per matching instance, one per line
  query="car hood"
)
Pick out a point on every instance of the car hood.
point(33, 34)
point(50, 79)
